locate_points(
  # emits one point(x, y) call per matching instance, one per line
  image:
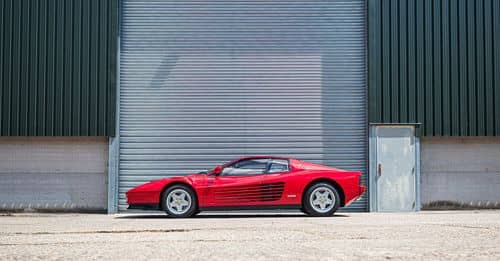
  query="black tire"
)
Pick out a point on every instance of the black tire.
point(190, 211)
point(311, 210)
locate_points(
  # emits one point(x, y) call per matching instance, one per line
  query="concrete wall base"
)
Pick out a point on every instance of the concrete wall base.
point(454, 205)
point(53, 173)
point(460, 173)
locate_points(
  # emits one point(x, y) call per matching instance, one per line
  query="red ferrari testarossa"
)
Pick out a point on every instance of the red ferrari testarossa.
point(258, 182)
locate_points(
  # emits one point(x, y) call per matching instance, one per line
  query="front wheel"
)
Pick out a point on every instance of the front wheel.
point(321, 200)
point(179, 201)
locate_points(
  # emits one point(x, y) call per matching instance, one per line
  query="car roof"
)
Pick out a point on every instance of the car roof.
point(263, 157)
point(257, 157)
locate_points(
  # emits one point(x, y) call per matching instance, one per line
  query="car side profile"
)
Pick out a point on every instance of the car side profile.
point(257, 182)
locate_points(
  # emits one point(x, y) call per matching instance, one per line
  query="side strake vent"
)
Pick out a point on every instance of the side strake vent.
point(272, 191)
point(253, 193)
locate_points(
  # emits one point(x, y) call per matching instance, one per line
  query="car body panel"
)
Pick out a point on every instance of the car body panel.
point(282, 189)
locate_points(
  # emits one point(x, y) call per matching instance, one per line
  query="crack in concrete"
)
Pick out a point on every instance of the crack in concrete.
point(146, 231)
point(104, 232)
point(462, 226)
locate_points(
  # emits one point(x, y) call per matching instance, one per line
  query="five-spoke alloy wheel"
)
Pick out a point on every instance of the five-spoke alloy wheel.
point(179, 201)
point(321, 199)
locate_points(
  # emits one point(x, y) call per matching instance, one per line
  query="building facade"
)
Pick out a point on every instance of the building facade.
point(58, 67)
point(100, 96)
point(437, 63)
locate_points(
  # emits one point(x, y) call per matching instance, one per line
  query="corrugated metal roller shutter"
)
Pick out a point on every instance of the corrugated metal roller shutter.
point(204, 82)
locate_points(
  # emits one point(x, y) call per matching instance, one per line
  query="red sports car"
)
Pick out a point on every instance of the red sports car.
point(259, 182)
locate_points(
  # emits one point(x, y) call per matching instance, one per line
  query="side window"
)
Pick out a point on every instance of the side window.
point(246, 167)
point(278, 165)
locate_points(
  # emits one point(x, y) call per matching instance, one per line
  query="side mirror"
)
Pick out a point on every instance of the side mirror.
point(217, 170)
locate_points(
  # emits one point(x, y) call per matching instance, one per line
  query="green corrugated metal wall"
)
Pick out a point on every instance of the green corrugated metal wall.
point(436, 62)
point(58, 67)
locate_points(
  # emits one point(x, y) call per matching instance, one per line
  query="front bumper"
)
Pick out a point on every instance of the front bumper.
point(145, 206)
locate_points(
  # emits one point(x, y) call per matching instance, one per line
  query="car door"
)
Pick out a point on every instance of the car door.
point(275, 184)
point(239, 184)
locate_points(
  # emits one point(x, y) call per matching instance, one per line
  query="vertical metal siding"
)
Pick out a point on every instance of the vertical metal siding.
point(57, 67)
point(204, 82)
point(435, 62)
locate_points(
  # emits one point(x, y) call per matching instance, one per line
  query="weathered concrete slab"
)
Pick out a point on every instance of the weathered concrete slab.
point(53, 173)
point(469, 235)
point(460, 172)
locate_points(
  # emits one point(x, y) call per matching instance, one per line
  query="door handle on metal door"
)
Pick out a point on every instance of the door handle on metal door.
point(379, 169)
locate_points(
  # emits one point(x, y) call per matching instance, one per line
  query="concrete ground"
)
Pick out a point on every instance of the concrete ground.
point(286, 236)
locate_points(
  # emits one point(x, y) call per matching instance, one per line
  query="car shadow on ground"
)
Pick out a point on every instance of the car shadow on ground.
point(223, 215)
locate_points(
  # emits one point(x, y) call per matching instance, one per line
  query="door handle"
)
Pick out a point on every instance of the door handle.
point(379, 169)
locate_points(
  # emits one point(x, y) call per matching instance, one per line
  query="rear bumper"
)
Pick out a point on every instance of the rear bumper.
point(361, 191)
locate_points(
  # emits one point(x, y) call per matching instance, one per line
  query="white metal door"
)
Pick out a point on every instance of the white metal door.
point(396, 168)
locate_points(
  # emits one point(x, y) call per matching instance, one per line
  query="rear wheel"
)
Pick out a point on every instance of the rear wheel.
point(321, 200)
point(179, 201)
